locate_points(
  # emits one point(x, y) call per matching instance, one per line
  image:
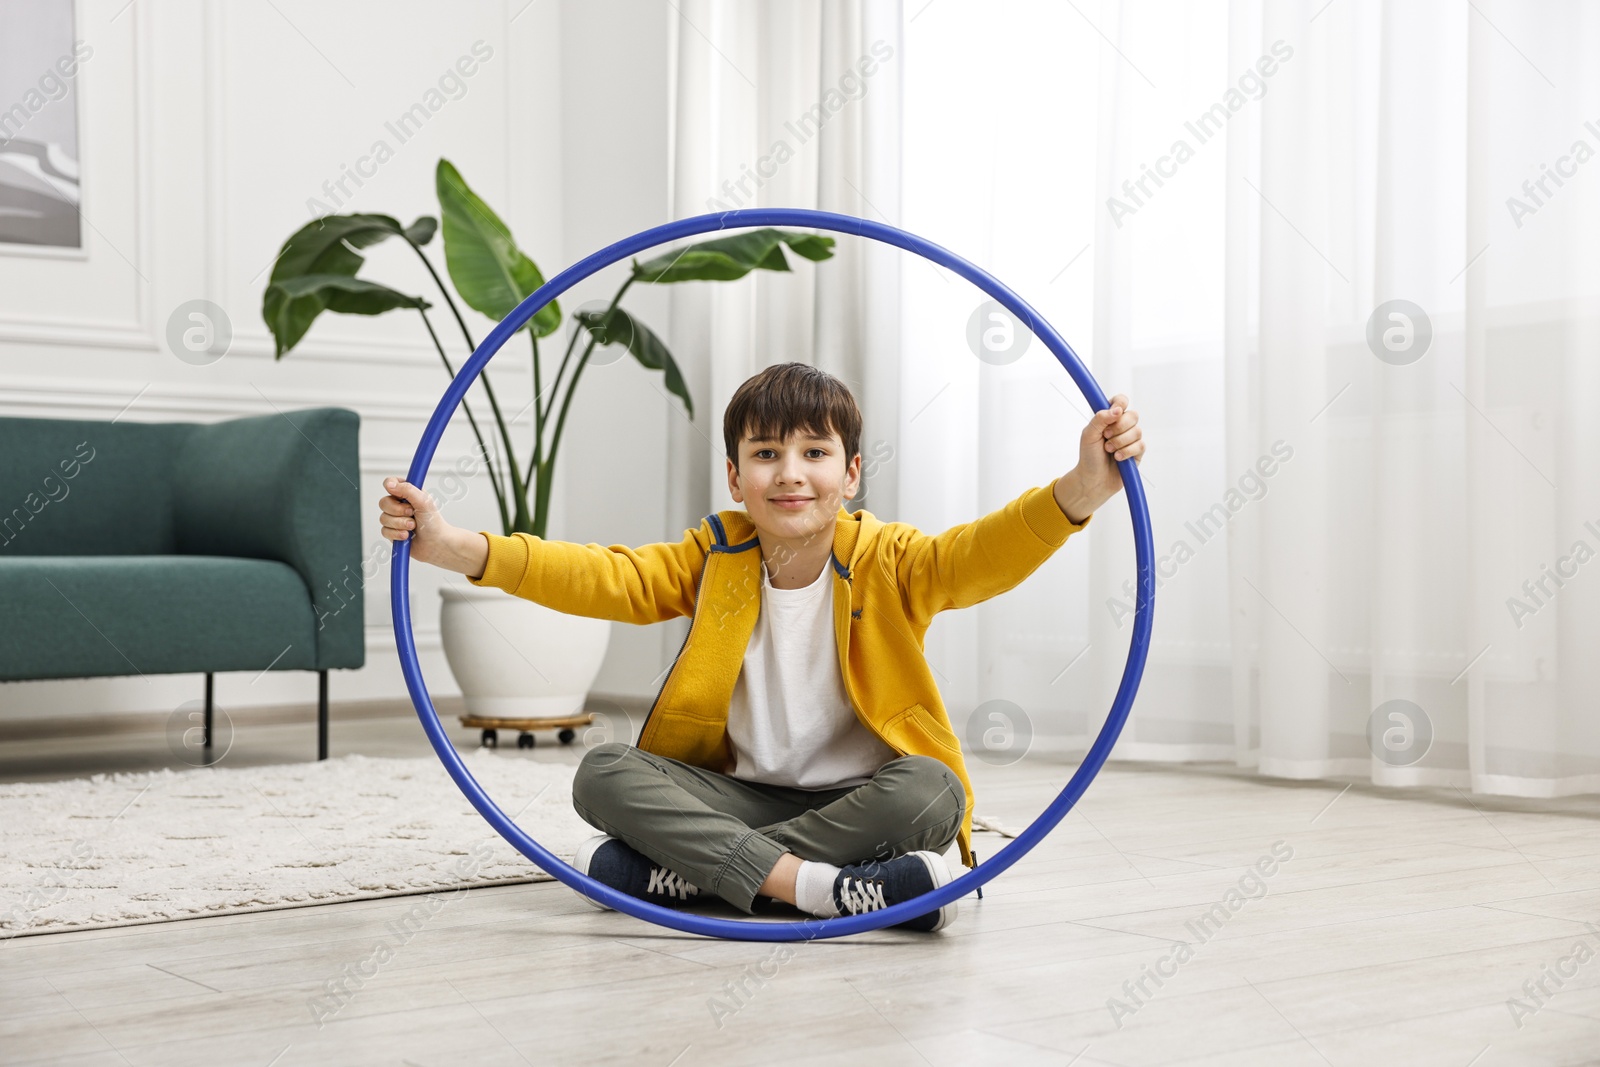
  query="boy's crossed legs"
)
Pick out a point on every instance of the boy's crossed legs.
point(739, 839)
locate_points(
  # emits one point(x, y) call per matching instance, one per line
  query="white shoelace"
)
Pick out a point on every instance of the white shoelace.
point(859, 895)
point(665, 880)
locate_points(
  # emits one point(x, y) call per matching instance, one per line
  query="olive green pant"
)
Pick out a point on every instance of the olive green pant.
point(725, 834)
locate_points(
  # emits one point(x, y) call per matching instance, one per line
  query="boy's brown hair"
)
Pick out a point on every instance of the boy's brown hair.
point(788, 398)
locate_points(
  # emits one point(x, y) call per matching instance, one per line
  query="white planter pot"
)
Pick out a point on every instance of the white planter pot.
point(515, 658)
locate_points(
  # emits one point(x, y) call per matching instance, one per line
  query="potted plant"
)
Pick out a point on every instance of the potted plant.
point(513, 658)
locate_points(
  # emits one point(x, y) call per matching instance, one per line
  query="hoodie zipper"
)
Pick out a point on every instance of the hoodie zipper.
point(844, 673)
point(694, 614)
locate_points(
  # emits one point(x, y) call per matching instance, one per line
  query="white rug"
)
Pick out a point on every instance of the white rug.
point(116, 850)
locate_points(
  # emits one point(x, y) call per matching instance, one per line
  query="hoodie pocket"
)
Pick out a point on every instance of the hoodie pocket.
point(918, 726)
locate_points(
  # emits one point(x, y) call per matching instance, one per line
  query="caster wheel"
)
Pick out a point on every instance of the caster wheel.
point(491, 739)
point(566, 736)
point(524, 740)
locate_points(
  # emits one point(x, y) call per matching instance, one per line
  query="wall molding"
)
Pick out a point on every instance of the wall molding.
point(252, 344)
point(144, 155)
point(389, 460)
point(138, 334)
point(181, 401)
point(80, 333)
point(140, 337)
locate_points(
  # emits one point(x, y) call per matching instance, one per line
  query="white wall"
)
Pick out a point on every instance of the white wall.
point(205, 128)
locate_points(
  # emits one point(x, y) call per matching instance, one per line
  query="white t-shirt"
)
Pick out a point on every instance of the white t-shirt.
point(790, 718)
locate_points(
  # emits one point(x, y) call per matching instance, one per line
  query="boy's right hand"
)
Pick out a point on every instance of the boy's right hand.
point(409, 512)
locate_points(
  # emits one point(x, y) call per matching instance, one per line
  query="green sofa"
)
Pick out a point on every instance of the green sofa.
point(168, 547)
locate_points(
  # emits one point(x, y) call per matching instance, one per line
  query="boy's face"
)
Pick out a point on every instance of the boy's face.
point(813, 469)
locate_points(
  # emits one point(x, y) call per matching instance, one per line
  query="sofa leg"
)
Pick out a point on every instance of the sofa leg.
point(208, 717)
point(322, 714)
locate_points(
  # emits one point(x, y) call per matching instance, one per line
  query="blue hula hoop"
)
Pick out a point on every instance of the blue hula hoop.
point(757, 930)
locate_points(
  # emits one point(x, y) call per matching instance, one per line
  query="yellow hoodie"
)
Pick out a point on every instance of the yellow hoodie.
point(889, 581)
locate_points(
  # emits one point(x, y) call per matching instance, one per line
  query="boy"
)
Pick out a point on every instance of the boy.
point(798, 749)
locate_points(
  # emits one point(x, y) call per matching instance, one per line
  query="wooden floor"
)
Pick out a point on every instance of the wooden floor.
point(1401, 929)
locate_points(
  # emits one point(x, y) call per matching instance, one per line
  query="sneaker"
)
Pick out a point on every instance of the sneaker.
point(864, 887)
point(616, 864)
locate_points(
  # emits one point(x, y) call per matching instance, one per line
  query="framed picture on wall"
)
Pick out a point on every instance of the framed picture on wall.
point(39, 62)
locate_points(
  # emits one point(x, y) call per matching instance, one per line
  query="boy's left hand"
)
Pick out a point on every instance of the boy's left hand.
point(1112, 435)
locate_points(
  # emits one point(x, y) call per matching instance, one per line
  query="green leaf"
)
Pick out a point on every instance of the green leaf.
point(325, 248)
point(327, 245)
point(726, 258)
point(422, 231)
point(488, 269)
point(621, 328)
point(290, 305)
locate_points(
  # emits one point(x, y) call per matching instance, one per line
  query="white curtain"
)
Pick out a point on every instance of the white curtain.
point(1212, 201)
point(787, 105)
point(1377, 524)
